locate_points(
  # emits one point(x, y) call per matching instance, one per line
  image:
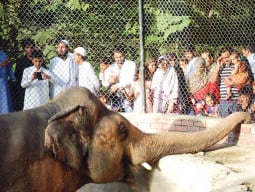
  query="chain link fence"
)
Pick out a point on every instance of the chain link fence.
point(169, 27)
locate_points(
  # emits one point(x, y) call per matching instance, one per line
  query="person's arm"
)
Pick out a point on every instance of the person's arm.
point(235, 70)
point(73, 72)
point(27, 78)
point(5, 61)
point(49, 76)
point(54, 70)
point(128, 96)
point(239, 80)
point(95, 81)
point(217, 112)
point(10, 72)
point(215, 75)
point(124, 93)
point(253, 107)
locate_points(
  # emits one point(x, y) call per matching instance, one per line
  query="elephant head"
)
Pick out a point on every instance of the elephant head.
point(106, 147)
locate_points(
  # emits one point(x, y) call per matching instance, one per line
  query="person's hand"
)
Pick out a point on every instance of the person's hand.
point(113, 79)
point(220, 62)
point(34, 76)
point(253, 107)
point(217, 114)
point(45, 76)
point(113, 88)
point(193, 100)
point(199, 106)
point(102, 69)
point(123, 90)
point(149, 94)
point(170, 108)
point(4, 63)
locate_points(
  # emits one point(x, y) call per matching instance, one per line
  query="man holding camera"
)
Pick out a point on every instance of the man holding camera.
point(35, 80)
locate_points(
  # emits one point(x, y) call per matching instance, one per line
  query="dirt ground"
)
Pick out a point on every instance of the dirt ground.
point(221, 169)
point(241, 162)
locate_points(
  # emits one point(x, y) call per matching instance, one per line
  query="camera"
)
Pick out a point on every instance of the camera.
point(39, 76)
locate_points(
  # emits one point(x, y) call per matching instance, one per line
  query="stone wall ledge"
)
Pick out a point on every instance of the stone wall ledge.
point(161, 123)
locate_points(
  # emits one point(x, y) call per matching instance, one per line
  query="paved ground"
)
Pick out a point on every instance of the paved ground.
point(226, 169)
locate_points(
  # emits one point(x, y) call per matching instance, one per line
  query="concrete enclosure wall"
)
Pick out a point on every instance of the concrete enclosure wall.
point(158, 123)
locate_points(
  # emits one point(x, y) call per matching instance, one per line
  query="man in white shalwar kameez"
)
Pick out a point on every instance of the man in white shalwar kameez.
point(87, 77)
point(64, 68)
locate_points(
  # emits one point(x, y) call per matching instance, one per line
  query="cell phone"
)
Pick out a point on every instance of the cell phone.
point(39, 76)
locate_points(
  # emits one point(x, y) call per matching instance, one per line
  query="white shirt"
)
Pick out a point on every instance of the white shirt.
point(88, 78)
point(37, 91)
point(126, 73)
point(105, 76)
point(66, 72)
point(251, 60)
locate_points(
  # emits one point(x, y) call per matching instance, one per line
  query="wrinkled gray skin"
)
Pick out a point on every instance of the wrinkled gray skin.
point(25, 165)
point(85, 142)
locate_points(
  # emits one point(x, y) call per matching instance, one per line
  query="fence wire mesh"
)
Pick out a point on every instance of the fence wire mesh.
point(170, 28)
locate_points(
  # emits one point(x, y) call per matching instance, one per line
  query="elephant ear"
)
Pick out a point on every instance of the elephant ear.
point(65, 112)
point(66, 136)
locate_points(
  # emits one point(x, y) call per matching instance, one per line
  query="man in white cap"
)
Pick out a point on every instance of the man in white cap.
point(64, 68)
point(87, 77)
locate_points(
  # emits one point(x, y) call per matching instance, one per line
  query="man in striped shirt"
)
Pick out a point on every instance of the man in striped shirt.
point(223, 70)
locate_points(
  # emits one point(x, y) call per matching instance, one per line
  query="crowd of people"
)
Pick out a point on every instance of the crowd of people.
point(191, 84)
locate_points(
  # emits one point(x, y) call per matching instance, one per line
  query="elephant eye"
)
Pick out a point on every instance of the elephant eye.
point(123, 131)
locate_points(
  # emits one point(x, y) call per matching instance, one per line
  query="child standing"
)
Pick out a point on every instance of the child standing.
point(211, 106)
point(35, 80)
point(106, 72)
point(135, 94)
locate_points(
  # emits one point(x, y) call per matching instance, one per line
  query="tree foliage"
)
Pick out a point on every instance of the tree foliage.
point(100, 25)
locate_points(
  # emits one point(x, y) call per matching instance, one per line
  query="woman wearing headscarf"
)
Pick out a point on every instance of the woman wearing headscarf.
point(165, 88)
point(202, 82)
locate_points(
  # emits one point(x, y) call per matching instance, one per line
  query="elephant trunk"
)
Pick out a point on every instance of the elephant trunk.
point(152, 147)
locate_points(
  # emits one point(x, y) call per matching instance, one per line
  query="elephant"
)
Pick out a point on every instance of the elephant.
point(74, 140)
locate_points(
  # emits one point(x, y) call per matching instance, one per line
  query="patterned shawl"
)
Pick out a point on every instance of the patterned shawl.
point(199, 77)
